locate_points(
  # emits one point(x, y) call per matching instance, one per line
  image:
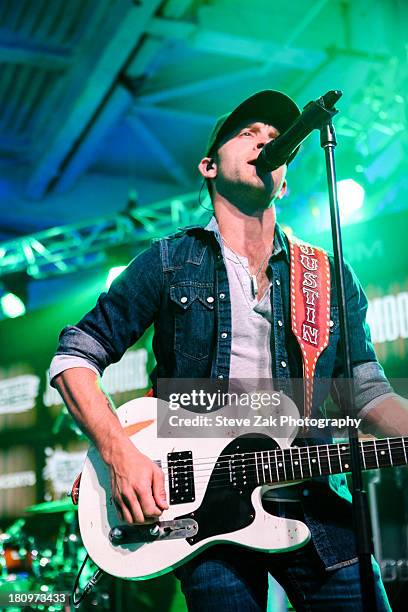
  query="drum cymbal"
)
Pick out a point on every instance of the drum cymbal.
point(59, 505)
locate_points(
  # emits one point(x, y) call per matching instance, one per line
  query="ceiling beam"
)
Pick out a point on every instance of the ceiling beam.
point(85, 153)
point(176, 8)
point(308, 17)
point(48, 58)
point(172, 114)
point(147, 52)
point(92, 82)
point(13, 144)
point(196, 87)
point(118, 104)
point(231, 45)
point(158, 150)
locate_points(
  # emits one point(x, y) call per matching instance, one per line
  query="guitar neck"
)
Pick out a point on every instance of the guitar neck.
point(297, 463)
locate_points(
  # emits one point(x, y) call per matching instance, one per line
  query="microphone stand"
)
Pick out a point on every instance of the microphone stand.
point(361, 516)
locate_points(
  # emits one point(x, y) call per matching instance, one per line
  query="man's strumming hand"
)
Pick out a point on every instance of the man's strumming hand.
point(137, 485)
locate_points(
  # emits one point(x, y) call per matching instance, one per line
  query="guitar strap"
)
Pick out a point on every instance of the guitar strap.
point(310, 308)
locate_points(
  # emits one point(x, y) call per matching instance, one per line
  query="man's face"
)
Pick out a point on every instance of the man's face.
point(236, 170)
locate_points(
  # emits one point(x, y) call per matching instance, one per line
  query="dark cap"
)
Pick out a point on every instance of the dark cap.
point(269, 106)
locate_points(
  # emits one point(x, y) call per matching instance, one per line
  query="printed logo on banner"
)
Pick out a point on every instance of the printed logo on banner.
point(18, 394)
point(387, 317)
point(61, 467)
point(15, 480)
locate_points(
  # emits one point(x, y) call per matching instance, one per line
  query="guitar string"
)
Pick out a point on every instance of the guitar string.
point(276, 476)
point(252, 479)
point(255, 473)
point(333, 467)
point(304, 451)
point(258, 477)
point(307, 449)
point(263, 478)
point(222, 477)
point(290, 466)
point(255, 479)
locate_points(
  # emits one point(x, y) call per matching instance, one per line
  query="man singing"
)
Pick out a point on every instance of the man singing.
point(219, 299)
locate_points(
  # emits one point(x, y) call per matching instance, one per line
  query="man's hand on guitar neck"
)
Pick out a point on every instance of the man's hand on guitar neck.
point(137, 483)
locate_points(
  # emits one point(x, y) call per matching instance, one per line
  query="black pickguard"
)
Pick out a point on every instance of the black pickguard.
point(226, 508)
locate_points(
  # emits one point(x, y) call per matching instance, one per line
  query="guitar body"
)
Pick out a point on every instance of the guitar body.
point(205, 493)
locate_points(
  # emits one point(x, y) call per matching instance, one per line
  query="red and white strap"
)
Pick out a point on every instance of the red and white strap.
point(310, 308)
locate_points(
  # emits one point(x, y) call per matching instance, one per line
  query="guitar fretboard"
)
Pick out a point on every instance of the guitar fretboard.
point(296, 463)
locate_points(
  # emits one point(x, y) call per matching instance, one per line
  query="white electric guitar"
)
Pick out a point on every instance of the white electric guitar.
point(214, 488)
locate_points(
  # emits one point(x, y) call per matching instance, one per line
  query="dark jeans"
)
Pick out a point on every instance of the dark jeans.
point(233, 579)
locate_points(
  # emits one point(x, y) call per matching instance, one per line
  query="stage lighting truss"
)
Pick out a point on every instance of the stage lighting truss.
point(66, 249)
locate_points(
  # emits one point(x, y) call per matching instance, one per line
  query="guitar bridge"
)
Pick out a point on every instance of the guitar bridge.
point(164, 530)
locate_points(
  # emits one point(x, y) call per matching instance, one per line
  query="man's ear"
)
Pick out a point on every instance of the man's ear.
point(282, 190)
point(208, 168)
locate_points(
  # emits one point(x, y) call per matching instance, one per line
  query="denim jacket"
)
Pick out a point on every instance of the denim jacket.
point(169, 286)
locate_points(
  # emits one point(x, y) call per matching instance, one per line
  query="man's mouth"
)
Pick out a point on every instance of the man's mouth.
point(252, 162)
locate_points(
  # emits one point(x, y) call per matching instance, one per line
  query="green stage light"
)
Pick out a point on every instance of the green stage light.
point(350, 196)
point(112, 274)
point(12, 306)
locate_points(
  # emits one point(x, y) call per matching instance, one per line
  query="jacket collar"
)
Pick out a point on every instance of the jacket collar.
point(280, 241)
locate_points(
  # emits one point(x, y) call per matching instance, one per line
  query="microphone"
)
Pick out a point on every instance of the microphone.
point(315, 115)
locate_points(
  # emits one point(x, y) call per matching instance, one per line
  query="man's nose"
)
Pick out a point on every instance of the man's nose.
point(263, 142)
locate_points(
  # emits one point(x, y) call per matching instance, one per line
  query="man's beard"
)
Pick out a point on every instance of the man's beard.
point(247, 197)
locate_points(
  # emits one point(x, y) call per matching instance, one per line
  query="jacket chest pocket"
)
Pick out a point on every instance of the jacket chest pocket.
point(193, 307)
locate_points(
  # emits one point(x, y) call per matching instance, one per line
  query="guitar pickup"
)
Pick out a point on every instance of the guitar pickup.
point(164, 530)
point(181, 477)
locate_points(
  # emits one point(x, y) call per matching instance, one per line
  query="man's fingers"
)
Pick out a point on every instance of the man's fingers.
point(148, 504)
point(159, 492)
point(132, 504)
point(123, 512)
point(131, 510)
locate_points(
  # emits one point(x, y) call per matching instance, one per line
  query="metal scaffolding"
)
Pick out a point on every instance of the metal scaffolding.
point(66, 249)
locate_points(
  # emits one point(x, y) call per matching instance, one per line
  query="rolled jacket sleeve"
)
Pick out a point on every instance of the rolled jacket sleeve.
point(60, 363)
point(120, 316)
point(370, 384)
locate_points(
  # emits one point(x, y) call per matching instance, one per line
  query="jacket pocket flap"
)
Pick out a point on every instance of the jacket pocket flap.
point(185, 295)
